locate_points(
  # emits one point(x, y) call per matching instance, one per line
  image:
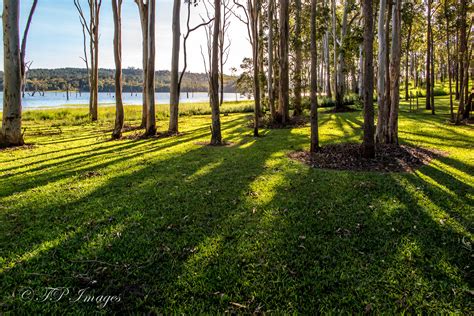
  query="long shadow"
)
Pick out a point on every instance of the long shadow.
point(325, 254)
point(157, 220)
point(241, 229)
point(18, 182)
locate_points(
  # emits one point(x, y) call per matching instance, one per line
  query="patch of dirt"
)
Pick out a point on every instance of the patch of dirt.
point(347, 156)
point(91, 174)
point(14, 148)
point(136, 135)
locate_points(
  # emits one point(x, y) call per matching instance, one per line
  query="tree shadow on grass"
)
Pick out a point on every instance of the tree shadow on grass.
point(243, 229)
point(92, 160)
point(157, 214)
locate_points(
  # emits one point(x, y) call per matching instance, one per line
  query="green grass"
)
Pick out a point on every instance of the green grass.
point(77, 114)
point(173, 226)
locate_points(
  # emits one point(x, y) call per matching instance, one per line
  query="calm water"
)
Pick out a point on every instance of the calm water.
point(59, 100)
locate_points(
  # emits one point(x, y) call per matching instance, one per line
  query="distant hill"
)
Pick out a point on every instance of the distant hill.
point(76, 79)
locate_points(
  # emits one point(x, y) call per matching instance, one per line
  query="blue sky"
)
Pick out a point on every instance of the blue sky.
point(55, 38)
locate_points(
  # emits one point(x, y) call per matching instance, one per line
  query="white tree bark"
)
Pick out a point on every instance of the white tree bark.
point(381, 133)
point(11, 123)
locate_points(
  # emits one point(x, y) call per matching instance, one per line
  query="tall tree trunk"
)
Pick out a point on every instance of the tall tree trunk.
point(456, 56)
point(360, 74)
point(10, 134)
point(174, 87)
point(451, 107)
point(368, 146)
point(463, 59)
point(314, 81)
point(283, 110)
point(261, 49)
point(298, 59)
point(383, 111)
point(117, 13)
point(254, 15)
point(428, 59)
point(328, 65)
point(407, 55)
point(216, 137)
point(271, 99)
point(395, 73)
point(341, 68)
point(432, 72)
point(334, 35)
point(143, 11)
point(387, 89)
point(150, 72)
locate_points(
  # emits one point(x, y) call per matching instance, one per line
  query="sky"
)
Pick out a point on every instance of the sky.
point(55, 39)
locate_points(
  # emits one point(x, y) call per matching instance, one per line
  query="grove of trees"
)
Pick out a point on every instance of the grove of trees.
point(300, 49)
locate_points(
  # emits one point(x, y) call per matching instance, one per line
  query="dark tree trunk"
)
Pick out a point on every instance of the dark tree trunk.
point(283, 110)
point(216, 137)
point(428, 59)
point(368, 141)
point(298, 59)
point(150, 71)
point(314, 81)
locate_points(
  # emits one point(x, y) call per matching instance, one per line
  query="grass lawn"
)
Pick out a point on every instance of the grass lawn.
point(173, 226)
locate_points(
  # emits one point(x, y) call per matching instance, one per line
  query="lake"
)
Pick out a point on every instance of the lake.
point(59, 99)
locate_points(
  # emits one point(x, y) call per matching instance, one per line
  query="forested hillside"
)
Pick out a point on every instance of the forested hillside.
point(76, 79)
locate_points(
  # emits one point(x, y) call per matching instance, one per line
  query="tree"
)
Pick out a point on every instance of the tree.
point(368, 146)
point(216, 137)
point(251, 20)
point(314, 82)
point(271, 99)
point(150, 128)
point(383, 113)
point(428, 57)
point(92, 29)
point(463, 60)
point(298, 59)
point(119, 115)
point(174, 87)
point(283, 109)
point(14, 72)
point(395, 73)
point(143, 11)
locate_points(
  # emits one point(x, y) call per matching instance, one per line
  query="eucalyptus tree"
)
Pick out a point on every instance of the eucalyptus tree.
point(143, 12)
point(463, 58)
point(368, 145)
point(298, 59)
point(147, 10)
point(314, 79)
point(284, 99)
point(90, 26)
point(216, 136)
point(395, 55)
point(383, 109)
point(119, 115)
point(251, 19)
point(14, 72)
point(174, 86)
